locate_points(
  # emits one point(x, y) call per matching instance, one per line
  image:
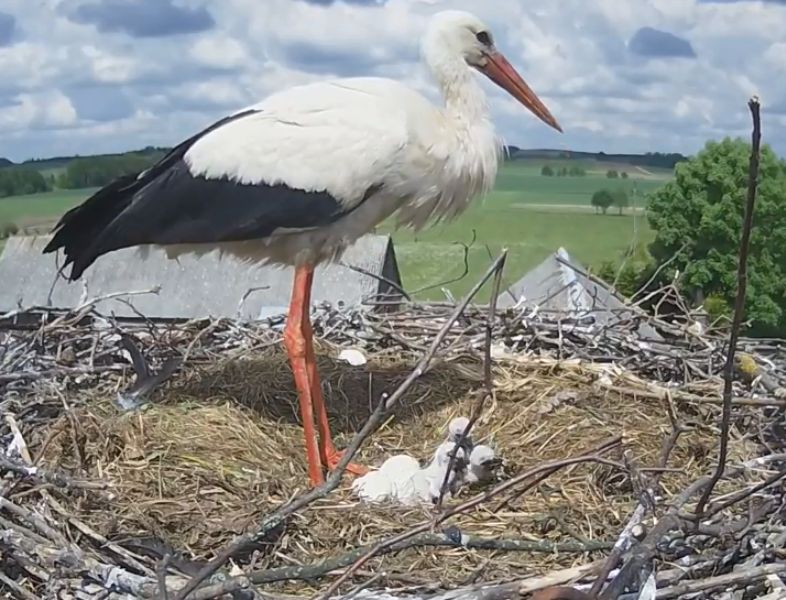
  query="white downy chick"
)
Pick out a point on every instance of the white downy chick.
point(482, 463)
point(389, 481)
point(456, 427)
point(401, 480)
point(435, 472)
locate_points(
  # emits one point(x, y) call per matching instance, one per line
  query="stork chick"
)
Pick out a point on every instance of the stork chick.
point(482, 464)
point(435, 472)
point(400, 479)
point(389, 482)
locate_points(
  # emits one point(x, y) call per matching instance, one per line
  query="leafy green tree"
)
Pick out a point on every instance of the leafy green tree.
point(547, 171)
point(624, 174)
point(602, 200)
point(576, 171)
point(703, 209)
point(621, 199)
point(612, 174)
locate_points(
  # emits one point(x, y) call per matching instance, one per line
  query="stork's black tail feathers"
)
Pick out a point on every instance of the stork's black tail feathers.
point(84, 231)
point(79, 231)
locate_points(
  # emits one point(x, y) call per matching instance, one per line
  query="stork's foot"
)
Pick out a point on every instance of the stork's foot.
point(335, 456)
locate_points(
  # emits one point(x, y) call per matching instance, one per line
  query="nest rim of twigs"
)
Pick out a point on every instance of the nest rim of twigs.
point(188, 468)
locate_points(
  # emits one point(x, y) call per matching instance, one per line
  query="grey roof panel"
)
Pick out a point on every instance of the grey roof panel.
point(559, 283)
point(191, 287)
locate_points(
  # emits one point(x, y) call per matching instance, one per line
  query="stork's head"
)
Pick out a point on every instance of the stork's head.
point(456, 427)
point(459, 34)
point(484, 456)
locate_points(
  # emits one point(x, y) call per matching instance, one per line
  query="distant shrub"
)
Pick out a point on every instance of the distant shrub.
point(7, 230)
point(547, 171)
point(612, 174)
point(717, 308)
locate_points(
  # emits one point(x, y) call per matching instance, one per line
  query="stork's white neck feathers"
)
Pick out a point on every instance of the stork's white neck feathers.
point(465, 100)
point(443, 53)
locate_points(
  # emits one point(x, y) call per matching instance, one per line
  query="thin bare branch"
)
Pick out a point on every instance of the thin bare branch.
point(739, 304)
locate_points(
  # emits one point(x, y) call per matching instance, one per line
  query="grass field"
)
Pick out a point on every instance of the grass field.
point(530, 234)
point(530, 214)
point(36, 208)
point(528, 186)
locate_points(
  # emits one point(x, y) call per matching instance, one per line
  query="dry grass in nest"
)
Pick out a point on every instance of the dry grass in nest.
point(222, 447)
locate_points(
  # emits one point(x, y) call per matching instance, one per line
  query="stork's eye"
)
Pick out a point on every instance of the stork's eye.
point(484, 38)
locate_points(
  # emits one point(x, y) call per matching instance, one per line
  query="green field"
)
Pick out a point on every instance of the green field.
point(524, 184)
point(37, 208)
point(532, 216)
point(528, 213)
point(530, 234)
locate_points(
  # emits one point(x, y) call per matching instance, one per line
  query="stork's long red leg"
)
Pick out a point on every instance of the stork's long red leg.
point(296, 344)
point(298, 337)
point(330, 456)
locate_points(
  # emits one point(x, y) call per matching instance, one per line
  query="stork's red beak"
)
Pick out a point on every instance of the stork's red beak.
point(501, 72)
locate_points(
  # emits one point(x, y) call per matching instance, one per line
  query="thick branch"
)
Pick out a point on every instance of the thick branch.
point(311, 572)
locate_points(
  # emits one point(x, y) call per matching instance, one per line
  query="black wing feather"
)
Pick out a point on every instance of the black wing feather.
point(167, 204)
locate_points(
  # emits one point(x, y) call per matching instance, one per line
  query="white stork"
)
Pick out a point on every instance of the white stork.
point(298, 177)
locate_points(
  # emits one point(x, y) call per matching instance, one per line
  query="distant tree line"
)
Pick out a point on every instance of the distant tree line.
point(658, 160)
point(18, 181)
point(574, 171)
point(58, 162)
point(101, 170)
point(662, 160)
point(94, 171)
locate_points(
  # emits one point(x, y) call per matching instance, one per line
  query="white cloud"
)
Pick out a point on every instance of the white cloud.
point(219, 51)
point(107, 67)
point(29, 66)
point(574, 54)
point(38, 111)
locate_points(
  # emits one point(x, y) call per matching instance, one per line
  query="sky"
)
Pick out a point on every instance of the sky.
point(95, 76)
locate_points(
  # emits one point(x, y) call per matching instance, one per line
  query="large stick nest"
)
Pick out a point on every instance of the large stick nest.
point(220, 446)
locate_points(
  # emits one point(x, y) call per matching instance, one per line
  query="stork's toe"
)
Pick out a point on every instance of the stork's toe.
point(334, 457)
